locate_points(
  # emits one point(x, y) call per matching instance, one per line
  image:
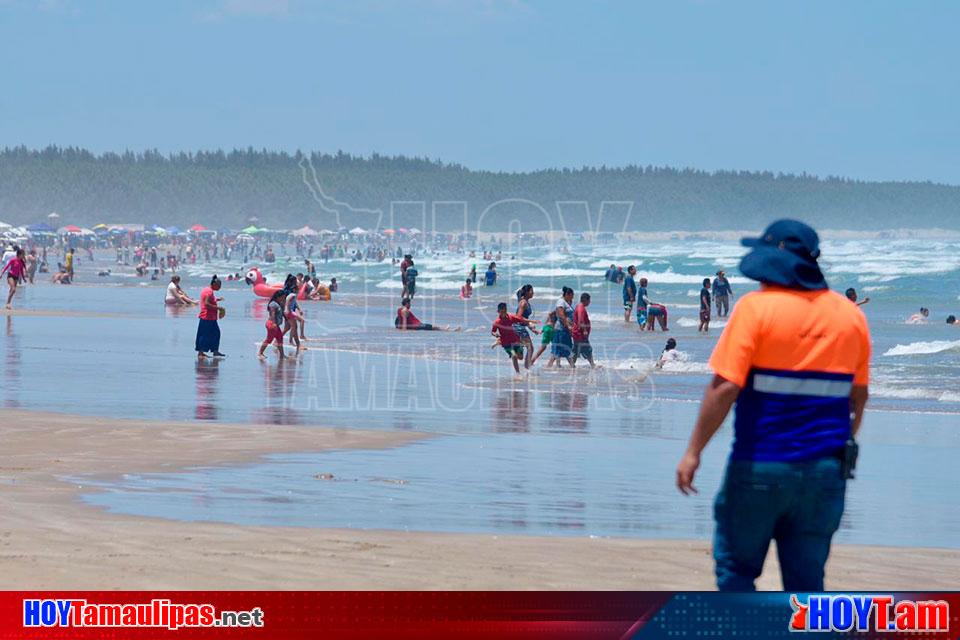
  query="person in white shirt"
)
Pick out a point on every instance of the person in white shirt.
point(176, 295)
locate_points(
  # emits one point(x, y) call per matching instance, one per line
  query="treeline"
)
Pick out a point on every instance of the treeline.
point(225, 189)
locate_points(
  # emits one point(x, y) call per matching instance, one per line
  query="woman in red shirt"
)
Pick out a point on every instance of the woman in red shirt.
point(16, 269)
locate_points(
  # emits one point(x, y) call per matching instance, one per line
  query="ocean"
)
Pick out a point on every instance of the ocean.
point(555, 452)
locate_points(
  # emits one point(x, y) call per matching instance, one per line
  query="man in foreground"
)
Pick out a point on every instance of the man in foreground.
point(794, 357)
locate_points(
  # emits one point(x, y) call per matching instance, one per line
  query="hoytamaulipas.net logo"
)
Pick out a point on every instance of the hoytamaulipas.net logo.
point(158, 612)
point(862, 613)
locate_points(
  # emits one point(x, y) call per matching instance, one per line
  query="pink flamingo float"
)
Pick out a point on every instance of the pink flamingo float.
point(264, 290)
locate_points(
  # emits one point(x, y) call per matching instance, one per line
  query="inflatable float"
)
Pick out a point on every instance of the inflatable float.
point(264, 290)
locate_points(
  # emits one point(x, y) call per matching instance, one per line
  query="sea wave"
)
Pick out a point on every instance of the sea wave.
point(695, 322)
point(913, 393)
point(923, 348)
point(545, 272)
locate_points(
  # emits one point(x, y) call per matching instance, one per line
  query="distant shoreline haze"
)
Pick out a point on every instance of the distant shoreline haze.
point(225, 189)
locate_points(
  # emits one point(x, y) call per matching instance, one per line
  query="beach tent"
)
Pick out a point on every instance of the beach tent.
point(303, 232)
point(251, 229)
point(198, 227)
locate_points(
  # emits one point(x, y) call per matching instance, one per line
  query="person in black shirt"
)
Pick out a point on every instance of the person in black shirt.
point(705, 306)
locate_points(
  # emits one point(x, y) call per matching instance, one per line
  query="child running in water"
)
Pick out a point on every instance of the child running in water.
point(16, 270)
point(546, 338)
point(294, 318)
point(274, 321)
point(505, 332)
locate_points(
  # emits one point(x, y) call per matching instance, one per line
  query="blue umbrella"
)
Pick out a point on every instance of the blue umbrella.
point(173, 230)
point(40, 227)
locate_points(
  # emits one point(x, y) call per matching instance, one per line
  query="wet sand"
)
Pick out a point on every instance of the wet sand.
point(57, 313)
point(49, 540)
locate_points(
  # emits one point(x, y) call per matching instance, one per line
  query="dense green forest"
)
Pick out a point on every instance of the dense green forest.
point(224, 189)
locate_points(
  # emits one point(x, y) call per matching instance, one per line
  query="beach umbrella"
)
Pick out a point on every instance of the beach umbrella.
point(54, 215)
point(40, 227)
point(388, 232)
point(173, 230)
point(414, 231)
point(97, 227)
point(86, 232)
point(357, 231)
point(198, 227)
point(70, 228)
point(250, 229)
point(303, 232)
point(403, 230)
point(4, 225)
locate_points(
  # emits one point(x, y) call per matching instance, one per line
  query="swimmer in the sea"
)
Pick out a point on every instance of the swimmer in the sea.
point(952, 319)
point(669, 353)
point(466, 291)
point(919, 318)
point(851, 294)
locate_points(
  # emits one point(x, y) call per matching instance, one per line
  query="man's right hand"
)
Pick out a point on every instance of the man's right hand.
point(686, 470)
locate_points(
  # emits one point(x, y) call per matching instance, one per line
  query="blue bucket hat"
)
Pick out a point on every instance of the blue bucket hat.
point(785, 255)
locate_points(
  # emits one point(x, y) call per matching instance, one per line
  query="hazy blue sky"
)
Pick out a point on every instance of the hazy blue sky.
point(866, 89)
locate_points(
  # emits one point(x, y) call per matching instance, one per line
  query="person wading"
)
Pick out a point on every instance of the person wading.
point(794, 357)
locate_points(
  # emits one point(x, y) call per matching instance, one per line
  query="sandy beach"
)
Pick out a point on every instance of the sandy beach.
point(50, 540)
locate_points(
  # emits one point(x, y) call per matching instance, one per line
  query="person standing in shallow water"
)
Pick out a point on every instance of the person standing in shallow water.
point(208, 329)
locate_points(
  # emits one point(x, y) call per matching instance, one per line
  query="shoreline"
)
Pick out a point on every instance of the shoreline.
point(50, 540)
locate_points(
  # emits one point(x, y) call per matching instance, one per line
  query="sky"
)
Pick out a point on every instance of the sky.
point(862, 89)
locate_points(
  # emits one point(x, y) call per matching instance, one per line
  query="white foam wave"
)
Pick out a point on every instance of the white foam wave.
point(912, 393)
point(544, 272)
point(923, 348)
point(432, 284)
point(695, 322)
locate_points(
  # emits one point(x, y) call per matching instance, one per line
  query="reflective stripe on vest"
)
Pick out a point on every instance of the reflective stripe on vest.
point(817, 387)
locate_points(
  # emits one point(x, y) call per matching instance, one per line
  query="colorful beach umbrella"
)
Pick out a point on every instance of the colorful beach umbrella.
point(250, 229)
point(198, 227)
point(70, 228)
point(388, 232)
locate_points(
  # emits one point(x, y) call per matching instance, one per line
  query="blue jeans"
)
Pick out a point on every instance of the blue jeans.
point(798, 504)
